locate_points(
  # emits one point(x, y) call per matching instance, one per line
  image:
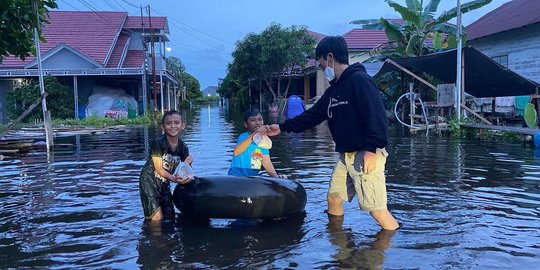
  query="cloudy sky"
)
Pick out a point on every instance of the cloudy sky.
point(204, 32)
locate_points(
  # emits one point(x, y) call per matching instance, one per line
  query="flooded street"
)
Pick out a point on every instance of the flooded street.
point(464, 204)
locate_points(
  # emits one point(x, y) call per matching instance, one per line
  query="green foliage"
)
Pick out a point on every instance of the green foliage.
point(17, 21)
point(59, 101)
point(530, 115)
point(178, 70)
point(267, 58)
point(408, 39)
point(94, 121)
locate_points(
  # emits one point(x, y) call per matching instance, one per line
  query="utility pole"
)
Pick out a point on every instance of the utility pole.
point(459, 59)
point(46, 113)
point(145, 71)
point(152, 36)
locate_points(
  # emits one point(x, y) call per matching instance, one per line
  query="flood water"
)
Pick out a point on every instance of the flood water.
point(464, 204)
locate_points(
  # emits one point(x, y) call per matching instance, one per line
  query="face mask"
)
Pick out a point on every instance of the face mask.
point(329, 72)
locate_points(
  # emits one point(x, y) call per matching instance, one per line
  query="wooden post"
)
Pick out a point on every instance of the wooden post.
point(76, 96)
point(161, 93)
point(25, 113)
point(537, 103)
point(411, 103)
point(412, 74)
point(306, 89)
point(46, 120)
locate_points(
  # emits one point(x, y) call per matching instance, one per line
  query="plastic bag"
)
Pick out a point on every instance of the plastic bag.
point(262, 141)
point(183, 170)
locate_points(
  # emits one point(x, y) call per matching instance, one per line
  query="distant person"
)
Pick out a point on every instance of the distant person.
point(249, 158)
point(167, 151)
point(356, 117)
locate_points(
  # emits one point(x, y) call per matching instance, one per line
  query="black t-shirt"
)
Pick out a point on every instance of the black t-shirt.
point(171, 158)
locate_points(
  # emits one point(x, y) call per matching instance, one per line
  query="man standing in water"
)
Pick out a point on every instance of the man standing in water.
point(353, 107)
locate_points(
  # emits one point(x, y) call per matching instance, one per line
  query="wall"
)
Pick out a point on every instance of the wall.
point(66, 59)
point(522, 46)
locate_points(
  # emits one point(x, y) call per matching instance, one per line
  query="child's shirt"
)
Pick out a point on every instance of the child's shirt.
point(249, 163)
point(171, 158)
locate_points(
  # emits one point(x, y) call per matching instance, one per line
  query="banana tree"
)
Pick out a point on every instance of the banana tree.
point(408, 37)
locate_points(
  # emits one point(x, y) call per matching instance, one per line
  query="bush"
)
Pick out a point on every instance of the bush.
point(60, 100)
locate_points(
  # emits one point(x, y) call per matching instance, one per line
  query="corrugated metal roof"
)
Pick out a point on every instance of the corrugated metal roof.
point(511, 15)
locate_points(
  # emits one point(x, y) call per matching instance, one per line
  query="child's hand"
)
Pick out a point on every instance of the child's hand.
point(182, 180)
point(189, 160)
point(262, 129)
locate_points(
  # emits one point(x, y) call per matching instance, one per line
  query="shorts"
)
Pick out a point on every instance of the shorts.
point(155, 194)
point(348, 180)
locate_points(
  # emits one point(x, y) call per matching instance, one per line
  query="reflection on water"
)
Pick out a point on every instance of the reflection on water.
point(471, 203)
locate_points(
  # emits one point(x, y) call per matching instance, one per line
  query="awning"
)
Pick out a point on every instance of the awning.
point(483, 76)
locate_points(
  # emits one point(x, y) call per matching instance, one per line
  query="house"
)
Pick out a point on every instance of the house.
point(210, 91)
point(88, 49)
point(360, 42)
point(510, 35)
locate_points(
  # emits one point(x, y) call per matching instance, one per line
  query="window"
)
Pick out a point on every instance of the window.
point(502, 59)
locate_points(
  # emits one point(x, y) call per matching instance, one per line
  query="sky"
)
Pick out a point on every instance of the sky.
point(203, 33)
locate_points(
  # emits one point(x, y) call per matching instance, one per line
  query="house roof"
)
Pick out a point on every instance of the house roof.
point(511, 15)
point(92, 33)
point(101, 36)
point(135, 22)
point(134, 59)
point(361, 39)
point(317, 36)
point(118, 51)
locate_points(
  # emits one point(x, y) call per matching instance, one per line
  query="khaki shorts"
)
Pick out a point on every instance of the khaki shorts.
point(349, 180)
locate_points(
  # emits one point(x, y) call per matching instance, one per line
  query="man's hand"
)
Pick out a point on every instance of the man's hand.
point(370, 162)
point(273, 130)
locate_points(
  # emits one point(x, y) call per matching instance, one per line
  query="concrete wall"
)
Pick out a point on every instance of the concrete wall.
point(522, 46)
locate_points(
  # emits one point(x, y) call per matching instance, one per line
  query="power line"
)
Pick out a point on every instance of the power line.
point(191, 27)
point(111, 5)
point(131, 4)
point(72, 6)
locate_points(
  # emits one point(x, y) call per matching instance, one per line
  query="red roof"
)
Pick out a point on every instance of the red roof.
point(317, 36)
point(134, 22)
point(91, 33)
point(364, 39)
point(134, 59)
point(118, 51)
point(511, 15)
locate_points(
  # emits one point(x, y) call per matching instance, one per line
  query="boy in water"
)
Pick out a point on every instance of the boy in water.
point(248, 156)
point(167, 151)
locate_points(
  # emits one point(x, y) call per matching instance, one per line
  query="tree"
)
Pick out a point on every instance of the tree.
point(268, 57)
point(193, 87)
point(17, 22)
point(178, 70)
point(408, 39)
point(59, 101)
